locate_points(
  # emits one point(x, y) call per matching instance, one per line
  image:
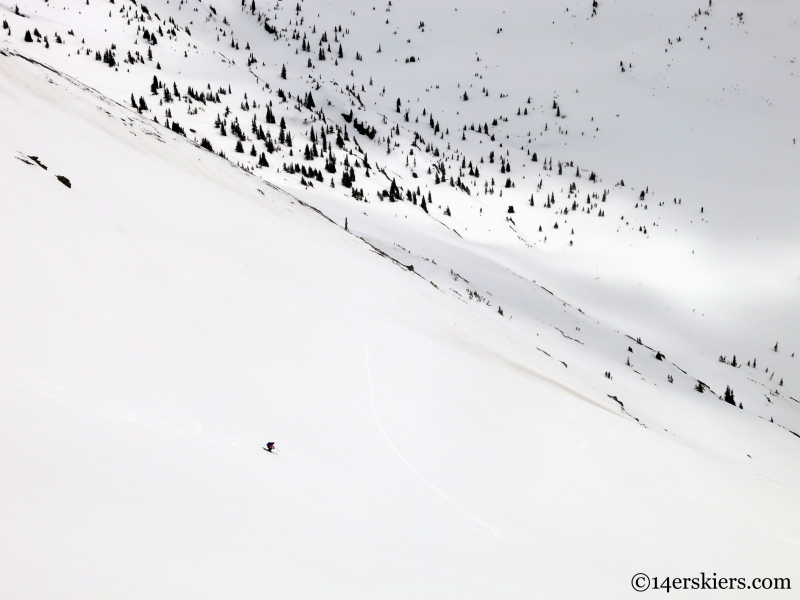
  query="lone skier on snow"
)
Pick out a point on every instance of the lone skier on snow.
point(270, 446)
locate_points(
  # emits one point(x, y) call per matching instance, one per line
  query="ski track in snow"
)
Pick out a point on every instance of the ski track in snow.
point(316, 464)
point(194, 306)
point(495, 533)
point(128, 416)
point(156, 422)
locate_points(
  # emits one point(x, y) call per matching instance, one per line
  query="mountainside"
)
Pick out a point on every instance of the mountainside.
point(513, 288)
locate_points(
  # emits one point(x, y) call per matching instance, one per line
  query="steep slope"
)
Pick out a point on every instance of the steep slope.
point(446, 430)
point(695, 252)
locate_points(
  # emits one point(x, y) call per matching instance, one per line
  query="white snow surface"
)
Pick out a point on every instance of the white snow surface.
point(435, 383)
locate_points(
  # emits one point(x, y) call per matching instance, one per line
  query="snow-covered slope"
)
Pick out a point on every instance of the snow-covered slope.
point(466, 406)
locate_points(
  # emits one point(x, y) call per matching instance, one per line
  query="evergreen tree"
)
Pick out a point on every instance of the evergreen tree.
point(239, 147)
point(729, 396)
point(330, 164)
point(283, 72)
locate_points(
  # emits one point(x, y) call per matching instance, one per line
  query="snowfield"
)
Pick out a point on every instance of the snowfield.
point(488, 303)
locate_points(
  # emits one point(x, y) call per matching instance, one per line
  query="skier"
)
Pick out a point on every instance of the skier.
point(270, 446)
